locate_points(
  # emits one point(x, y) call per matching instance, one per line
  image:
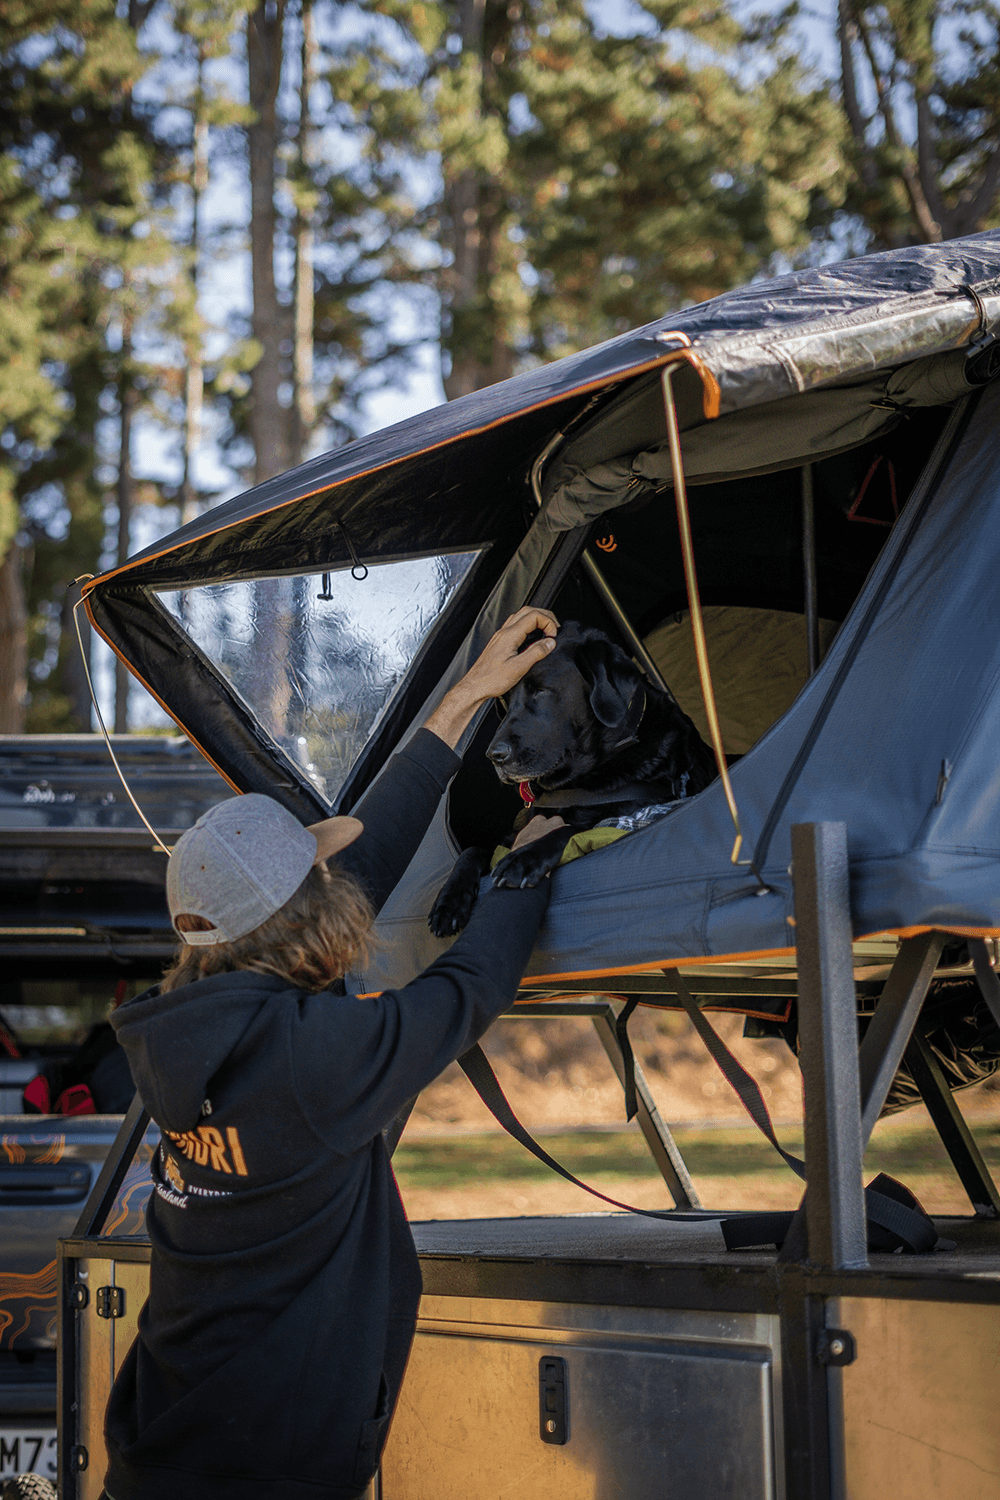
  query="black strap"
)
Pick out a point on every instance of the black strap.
point(893, 1223)
point(477, 1070)
point(894, 1216)
point(735, 1074)
point(645, 792)
point(628, 1057)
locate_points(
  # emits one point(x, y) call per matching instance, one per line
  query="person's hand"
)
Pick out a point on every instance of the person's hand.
point(501, 665)
point(537, 829)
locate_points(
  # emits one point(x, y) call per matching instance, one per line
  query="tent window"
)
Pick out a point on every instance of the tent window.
point(317, 657)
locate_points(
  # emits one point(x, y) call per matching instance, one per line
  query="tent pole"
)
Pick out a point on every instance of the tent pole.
point(809, 568)
point(611, 603)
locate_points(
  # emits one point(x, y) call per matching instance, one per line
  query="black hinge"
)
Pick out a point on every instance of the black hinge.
point(110, 1302)
point(552, 1415)
point(835, 1346)
point(79, 1458)
point(78, 1295)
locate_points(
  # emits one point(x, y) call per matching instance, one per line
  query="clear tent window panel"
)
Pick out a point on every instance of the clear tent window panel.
point(318, 656)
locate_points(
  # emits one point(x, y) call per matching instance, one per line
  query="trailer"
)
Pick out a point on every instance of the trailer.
point(783, 502)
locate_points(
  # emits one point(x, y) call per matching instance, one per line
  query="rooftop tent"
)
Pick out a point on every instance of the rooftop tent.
point(301, 631)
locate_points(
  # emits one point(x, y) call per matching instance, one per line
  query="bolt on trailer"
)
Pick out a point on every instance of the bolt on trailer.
point(784, 503)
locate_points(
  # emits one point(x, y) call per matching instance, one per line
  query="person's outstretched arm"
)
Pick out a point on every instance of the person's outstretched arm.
point(397, 811)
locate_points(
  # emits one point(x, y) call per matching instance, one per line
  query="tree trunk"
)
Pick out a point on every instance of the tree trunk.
point(13, 642)
point(126, 398)
point(194, 372)
point(461, 198)
point(269, 421)
point(74, 675)
point(477, 340)
point(303, 401)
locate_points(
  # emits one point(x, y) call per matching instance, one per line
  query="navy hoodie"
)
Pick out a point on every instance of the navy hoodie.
point(284, 1282)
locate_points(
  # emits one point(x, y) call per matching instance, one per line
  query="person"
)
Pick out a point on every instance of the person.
point(284, 1281)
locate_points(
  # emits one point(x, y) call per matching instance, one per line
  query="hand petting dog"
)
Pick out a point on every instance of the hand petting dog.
point(588, 738)
point(505, 659)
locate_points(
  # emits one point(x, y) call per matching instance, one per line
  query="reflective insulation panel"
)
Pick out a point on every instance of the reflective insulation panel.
point(317, 657)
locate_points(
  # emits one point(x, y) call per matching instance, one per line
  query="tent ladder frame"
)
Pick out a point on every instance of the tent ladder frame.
point(955, 1134)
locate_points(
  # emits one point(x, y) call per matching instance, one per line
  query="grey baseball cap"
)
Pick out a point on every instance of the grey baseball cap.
point(242, 861)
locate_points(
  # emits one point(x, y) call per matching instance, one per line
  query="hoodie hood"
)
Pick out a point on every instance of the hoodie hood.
point(176, 1043)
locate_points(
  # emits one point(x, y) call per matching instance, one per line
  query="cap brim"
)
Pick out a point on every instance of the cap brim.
point(334, 834)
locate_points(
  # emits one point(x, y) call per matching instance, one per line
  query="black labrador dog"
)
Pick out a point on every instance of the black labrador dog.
point(587, 737)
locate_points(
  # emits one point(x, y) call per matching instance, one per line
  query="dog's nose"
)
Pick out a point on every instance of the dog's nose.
point(500, 752)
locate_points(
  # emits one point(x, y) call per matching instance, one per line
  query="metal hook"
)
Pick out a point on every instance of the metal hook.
point(358, 570)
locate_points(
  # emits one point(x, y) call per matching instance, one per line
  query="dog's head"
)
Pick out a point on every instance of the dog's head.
point(570, 713)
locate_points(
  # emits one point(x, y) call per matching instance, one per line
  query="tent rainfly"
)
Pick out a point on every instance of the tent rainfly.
point(840, 434)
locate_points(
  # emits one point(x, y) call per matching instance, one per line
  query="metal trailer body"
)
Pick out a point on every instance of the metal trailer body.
point(598, 1355)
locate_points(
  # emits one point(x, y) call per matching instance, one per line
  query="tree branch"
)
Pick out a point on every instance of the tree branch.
point(927, 160)
point(926, 223)
point(849, 92)
point(968, 215)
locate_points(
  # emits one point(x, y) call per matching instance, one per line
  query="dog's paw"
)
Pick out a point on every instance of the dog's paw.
point(529, 866)
point(453, 908)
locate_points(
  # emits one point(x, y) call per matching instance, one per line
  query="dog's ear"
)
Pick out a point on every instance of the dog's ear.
point(610, 677)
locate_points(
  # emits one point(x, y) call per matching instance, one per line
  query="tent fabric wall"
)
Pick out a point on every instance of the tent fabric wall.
point(922, 692)
point(757, 440)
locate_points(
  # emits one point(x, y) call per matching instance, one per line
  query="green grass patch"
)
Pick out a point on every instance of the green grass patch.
point(593, 1155)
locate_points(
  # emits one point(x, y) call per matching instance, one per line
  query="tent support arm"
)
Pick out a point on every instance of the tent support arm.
point(614, 608)
point(809, 592)
point(955, 1135)
point(662, 1146)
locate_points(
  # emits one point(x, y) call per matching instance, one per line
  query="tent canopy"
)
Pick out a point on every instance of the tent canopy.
point(298, 678)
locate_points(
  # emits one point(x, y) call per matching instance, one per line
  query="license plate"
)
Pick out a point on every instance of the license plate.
point(27, 1450)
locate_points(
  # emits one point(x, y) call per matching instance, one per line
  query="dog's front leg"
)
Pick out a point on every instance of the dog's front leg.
point(531, 863)
point(457, 897)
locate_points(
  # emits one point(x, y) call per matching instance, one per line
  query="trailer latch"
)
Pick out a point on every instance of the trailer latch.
point(110, 1302)
point(552, 1424)
point(79, 1458)
point(835, 1346)
point(78, 1295)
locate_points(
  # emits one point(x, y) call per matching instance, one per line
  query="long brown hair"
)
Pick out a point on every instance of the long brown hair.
point(319, 933)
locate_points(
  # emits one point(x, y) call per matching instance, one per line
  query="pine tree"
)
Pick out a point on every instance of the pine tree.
point(920, 93)
point(590, 181)
point(78, 163)
point(657, 173)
